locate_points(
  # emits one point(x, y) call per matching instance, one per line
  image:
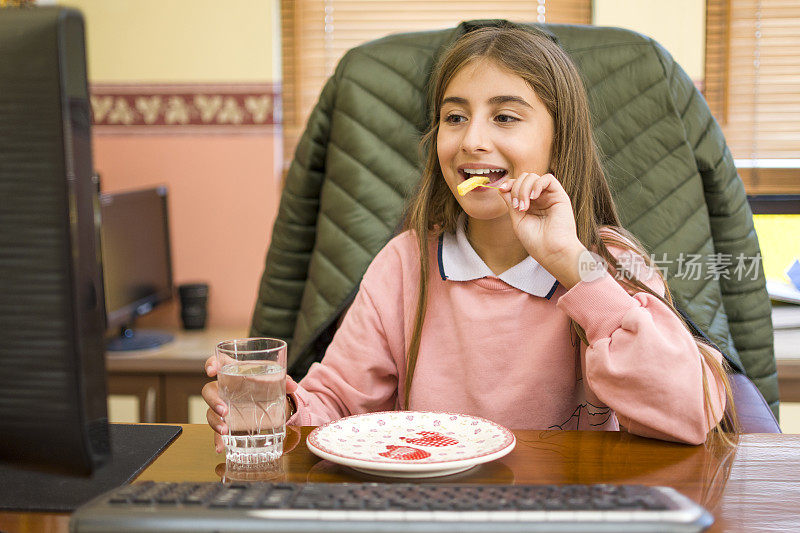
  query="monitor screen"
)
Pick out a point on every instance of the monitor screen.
point(775, 217)
point(137, 268)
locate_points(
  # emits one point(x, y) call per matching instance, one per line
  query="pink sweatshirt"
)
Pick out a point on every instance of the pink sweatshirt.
point(488, 349)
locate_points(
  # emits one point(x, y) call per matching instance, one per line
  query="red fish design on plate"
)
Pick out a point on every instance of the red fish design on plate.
point(404, 453)
point(430, 438)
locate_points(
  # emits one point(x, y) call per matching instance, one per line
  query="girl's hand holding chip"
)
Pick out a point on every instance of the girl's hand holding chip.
point(544, 222)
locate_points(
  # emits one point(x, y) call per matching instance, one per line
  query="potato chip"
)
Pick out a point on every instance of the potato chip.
point(467, 185)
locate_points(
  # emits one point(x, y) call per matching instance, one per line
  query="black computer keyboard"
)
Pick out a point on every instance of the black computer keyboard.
point(388, 507)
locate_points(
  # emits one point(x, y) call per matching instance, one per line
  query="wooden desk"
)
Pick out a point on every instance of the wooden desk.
point(164, 378)
point(755, 487)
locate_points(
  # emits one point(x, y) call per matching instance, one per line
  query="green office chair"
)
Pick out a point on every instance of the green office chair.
point(666, 160)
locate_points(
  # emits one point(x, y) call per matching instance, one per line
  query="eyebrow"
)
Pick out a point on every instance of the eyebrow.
point(494, 100)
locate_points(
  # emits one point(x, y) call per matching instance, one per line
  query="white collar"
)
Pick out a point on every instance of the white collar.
point(458, 261)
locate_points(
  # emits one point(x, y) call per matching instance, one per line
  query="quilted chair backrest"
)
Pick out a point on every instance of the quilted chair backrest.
point(665, 158)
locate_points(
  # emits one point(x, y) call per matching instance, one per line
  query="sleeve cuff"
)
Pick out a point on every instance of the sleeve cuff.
point(597, 306)
point(292, 390)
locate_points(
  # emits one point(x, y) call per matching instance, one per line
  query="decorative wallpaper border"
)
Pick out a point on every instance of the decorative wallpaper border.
point(185, 108)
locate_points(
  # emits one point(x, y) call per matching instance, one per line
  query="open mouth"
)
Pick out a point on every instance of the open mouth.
point(494, 174)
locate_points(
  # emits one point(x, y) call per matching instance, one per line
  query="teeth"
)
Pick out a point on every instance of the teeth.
point(482, 170)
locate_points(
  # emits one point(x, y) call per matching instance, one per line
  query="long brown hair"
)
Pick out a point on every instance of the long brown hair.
point(575, 161)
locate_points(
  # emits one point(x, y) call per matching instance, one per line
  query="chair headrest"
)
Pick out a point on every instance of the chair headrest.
point(471, 25)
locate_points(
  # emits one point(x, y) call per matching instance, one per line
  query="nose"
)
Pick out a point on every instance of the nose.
point(475, 138)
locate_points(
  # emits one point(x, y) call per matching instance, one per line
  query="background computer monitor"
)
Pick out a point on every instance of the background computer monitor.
point(136, 264)
point(775, 218)
point(52, 369)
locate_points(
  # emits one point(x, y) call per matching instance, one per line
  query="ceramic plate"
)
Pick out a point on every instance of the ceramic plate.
point(411, 443)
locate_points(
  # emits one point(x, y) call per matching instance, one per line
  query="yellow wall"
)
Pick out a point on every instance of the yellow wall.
point(679, 25)
point(181, 40)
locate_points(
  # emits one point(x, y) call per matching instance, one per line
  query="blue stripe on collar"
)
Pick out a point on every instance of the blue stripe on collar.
point(439, 257)
point(552, 291)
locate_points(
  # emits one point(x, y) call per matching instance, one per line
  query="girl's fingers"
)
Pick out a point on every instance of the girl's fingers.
point(541, 185)
point(525, 191)
point(220, 429)
point(216, 422)
point(521, 191)
point(505, 190)
point(217, 408)
point(515, 188)
point(548, 181)
point(211, 396)
point(526, 187)
point(211, 366)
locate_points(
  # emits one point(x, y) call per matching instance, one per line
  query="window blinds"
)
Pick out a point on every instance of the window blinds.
point(752, 84)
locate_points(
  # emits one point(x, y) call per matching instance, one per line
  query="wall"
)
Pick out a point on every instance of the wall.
point(678, 25)
point(186, 94)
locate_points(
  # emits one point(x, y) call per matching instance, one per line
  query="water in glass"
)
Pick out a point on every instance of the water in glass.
point(255, 393)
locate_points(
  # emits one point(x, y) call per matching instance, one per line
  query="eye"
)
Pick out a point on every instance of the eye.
point(454, 118)
point(506, 119)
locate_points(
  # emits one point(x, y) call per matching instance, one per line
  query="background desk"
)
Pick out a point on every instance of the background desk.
point(164, 378)
point(755, 487)
point(786, 323)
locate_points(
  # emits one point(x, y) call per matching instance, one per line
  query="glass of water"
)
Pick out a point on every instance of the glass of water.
point(252, 383)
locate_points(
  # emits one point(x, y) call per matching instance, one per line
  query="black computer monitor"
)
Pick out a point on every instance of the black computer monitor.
point(57, 449)
point(136, 264)
point(52, 369)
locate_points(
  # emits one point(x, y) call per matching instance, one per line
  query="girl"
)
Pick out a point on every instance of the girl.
point(491, 303)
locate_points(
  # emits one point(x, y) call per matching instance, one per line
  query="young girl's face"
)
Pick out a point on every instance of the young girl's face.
point(491, 119)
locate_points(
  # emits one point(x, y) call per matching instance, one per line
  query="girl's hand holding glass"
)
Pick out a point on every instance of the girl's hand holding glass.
point(217, 408)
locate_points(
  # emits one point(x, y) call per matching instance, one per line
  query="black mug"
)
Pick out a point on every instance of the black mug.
point(194, 297)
